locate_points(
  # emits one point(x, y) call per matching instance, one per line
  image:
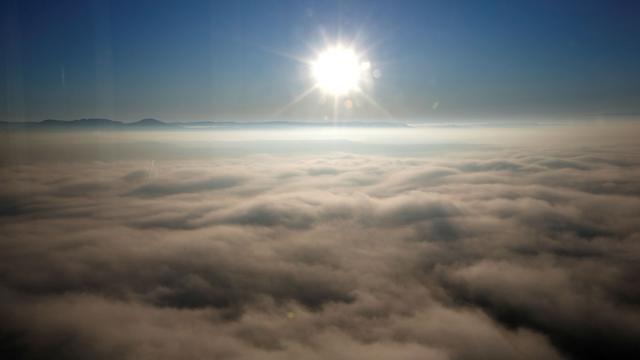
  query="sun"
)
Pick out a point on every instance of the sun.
point(342, 71)
point(337, 70)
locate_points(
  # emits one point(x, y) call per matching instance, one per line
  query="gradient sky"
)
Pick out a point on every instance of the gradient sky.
point(215, 60)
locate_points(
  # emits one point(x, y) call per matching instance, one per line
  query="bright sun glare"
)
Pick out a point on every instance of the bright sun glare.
point(337, 70)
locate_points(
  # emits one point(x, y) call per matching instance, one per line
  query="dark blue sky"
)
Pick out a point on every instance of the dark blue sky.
point(196, 60)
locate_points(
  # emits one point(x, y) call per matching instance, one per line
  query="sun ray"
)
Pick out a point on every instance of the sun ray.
point(355, 41)
point(371, 46)
point(295, 100)
point(375, 104)
point(324, 36)
point(286, 55)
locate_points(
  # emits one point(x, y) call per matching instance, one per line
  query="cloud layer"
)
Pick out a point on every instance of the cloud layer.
point(502, 253)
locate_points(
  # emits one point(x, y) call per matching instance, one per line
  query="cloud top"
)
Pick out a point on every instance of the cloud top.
point(509, 252)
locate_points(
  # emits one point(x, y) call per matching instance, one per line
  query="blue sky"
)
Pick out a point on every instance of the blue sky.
point(216, 60)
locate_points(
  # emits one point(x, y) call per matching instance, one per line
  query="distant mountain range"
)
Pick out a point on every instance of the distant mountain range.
point(96, 123)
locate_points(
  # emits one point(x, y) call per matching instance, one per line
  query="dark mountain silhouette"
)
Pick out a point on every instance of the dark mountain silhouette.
point(106, 124)
point(81, 122)
point(149, 123)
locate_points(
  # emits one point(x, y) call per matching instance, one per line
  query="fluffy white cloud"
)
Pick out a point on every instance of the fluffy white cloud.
point(394, 252)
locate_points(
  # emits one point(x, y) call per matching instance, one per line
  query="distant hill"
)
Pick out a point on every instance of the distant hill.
point(108, 124)
point(85, 124)
point(80, 122)
point(149, 123)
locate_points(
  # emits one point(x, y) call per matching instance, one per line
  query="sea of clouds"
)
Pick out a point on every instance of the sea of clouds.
point(400, 244)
